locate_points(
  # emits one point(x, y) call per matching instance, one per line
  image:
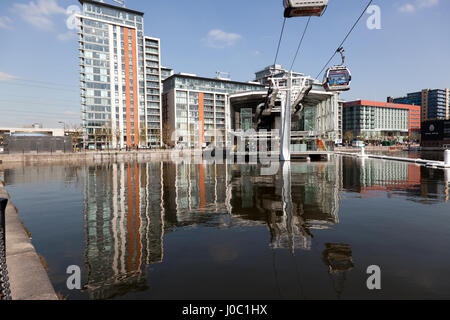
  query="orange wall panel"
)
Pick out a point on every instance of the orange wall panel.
point(137, 219)
point(127, 86)
point(201, 118)
point(130, 213)
point(135, 88)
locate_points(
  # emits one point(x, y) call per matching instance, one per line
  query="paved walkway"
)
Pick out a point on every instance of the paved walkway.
point(27, 276)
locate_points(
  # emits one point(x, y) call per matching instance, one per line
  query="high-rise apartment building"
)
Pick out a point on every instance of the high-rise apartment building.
point(120, 78)
point(435, 103)
point(153, 91)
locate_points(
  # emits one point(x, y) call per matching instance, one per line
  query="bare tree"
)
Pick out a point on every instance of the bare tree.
point(167, 134)
point(349, 136)
point(118, 136)
point(77, 137)
point(143, 134)
point(106, 133)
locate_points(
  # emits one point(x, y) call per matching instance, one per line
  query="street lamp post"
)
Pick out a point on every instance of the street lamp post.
point(63, 123)
point(64, 136)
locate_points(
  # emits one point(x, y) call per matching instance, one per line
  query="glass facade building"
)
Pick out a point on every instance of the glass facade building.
point(195, 109)
point(120, 78)
point(435, 103)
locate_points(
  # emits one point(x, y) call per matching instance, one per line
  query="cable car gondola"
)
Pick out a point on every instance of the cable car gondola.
point(338, 78)
point(304, 8)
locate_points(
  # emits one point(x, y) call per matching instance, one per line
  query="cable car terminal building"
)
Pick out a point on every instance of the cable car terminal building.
point(199, 111)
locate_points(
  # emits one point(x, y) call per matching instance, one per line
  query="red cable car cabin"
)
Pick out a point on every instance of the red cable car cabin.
point(304, 8)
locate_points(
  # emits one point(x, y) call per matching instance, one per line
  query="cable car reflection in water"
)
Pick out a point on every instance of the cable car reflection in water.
point(338, 258)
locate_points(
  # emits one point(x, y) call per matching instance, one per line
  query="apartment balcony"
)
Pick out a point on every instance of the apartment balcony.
point(152, 45)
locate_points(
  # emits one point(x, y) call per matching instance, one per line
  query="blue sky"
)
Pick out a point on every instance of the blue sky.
point(39, 63)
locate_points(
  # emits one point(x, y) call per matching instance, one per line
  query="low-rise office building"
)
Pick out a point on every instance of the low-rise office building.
point(196, 109)
point(35, 143)
point(379, 120)
point(55, 132)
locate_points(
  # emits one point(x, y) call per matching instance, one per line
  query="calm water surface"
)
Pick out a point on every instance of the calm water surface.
point(191, 231)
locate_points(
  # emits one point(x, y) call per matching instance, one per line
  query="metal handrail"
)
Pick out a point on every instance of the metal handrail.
point(5, 293)
point(3, 203)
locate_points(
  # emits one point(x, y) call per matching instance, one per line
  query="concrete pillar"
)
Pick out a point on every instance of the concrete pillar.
point(447, 158)
point(447, 175)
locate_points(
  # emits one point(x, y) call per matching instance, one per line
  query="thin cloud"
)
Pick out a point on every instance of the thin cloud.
point(6, 77)
point(40, 13)
point(407, 8)
point(5, 22)
point(427, 3)
point(66, 36)
point(217, 38)
point(411, 7)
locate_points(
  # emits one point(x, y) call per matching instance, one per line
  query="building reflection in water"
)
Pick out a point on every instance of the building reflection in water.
point(367, 176)
point(124, 223)
point(129, 207)
point(301, 198)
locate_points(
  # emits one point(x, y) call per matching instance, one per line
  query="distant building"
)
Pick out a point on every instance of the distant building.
point(275, 70)
point(166, 73)
point(55, 132)
point(35, 143)
point(370, 119)
point(436, 134)
point(435, 103)
point(197, 108)
point(120, 73)
point(36, 138)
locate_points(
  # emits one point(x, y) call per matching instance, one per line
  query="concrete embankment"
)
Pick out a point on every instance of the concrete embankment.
point(27, 276)
point(89, 157)
point(373, 149)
